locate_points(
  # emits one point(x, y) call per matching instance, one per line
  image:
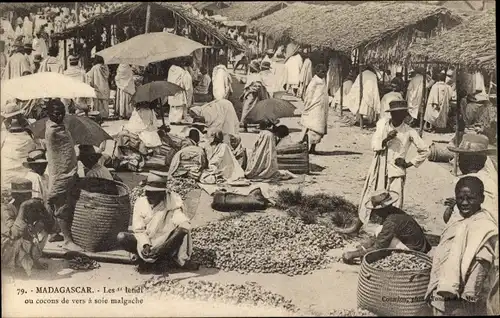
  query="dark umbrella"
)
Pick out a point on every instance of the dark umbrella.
point(270, 110)
point(84, 130)
point(155, 90)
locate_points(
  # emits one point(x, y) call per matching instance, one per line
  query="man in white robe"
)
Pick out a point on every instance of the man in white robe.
point(51, 62)
point(98, 78)
point(161, 229)
point(17, 64)
point(125, 89)
point(305, 75)
point(346, 89)
point(370, 103)
point(438, 104)
point(315, 114)
point(393, 95)
point(293, 66)
point(179, 102)
point(414, 92)
point(40, 46)
point(221, 81)
point(77, 73)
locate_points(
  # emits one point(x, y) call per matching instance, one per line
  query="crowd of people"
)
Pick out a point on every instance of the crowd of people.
point(43, 175)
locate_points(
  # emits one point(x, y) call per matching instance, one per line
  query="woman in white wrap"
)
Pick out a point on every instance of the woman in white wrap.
point(125, 90)
point(218, 114)
point(370, 103)
point(221, 82)
point(346, 89)
point(315, 114)
point(293, 66)
point(179, 102)
point(28, 30)
point(438, 104)
point(222, 165)
point(98, 78)
point(414, 92)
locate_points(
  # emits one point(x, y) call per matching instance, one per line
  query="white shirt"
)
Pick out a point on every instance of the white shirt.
point(39, 184)
point(398, 147)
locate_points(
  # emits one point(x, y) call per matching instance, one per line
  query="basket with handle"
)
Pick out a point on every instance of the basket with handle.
point(102, 210)
point(393, 293)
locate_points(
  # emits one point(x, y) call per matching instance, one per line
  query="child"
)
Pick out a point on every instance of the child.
point(37, 164)
point(469, 242)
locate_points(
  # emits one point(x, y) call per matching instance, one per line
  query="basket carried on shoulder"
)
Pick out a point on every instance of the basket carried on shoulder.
point(393, 293)
point(102, 210)
point(294, 158)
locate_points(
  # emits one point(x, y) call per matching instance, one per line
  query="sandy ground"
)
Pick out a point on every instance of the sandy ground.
point(340, 169)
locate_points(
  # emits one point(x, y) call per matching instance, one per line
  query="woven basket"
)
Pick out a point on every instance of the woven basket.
point(391, 293)
point(294, 158)
point(102, 211)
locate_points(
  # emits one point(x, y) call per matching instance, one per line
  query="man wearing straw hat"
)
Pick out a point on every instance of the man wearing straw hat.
point(391, 143)
point(25, 222)
point(17, 63)
point(473, 161)
point(161, 230)
point(397, 229)
point(37, 165)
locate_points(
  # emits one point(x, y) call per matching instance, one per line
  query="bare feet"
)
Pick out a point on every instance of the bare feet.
point(71, 246)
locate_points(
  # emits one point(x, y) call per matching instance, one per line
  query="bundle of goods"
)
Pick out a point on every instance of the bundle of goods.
point(264, 244)
point(102, 211)
point(393, 282)
point(250, 293)
point(229, 202)
point(181, 186)
point(294, 158)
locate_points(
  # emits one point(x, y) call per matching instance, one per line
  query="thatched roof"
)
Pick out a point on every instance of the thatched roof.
point(163, 14)
point(384, 30)
point(248, 11)
point(472, 44)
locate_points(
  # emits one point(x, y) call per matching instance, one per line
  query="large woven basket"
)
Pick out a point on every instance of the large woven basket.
point(294, 158)
point(391, 293)
point(102, 211)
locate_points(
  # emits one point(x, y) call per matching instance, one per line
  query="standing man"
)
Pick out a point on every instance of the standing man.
point(414, 92)
point(28, 50)
point(394, 94)
point(76, 72)
point(17, 64)
point(63, 171)
point(438, 104)
point(3, 58)
point(315, 114)
point(221, 81)
point(98, 78)
point(391, 143)
point(305, 75)
point(293, 66)
point(179, 102)
point(51, 63)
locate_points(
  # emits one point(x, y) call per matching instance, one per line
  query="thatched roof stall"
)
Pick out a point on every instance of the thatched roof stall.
point(248, 11)
point(383, 30)
point(472, 44)
point(163, 14)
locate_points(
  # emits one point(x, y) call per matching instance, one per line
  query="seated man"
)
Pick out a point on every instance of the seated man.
point(191, 160)
point(161, 230)
point(398, 230)
point(201, 91)
point(192, 140)
point(91, 161)
point(24, 221)
point(463, 262)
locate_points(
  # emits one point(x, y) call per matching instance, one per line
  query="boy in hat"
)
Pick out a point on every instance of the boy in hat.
point(464, 260)
point(28, 49)
point(398, 229)
point(91, 161)
point(472, 158)
point(23, 218)
point(17, 63)
point(391, 143)
point(161, 230)
point(37, 164)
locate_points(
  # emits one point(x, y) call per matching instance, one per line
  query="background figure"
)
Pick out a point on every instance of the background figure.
point(125, 89)
point(98, 78)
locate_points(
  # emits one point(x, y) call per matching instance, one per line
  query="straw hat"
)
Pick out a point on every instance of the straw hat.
point(265, 65)
point(28, 46)
point(21, 185)
point(11, 109)
point(396, 105)
point(381, 199)
point(73, 58)
point(35, 157)
point(472, 143)
point(156, 181)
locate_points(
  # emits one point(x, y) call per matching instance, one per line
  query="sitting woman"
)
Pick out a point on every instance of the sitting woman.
point(139, 138)
point(263, 163)
point(463, 263)
point(222, 165)
point(218, 115)
point(191, 160)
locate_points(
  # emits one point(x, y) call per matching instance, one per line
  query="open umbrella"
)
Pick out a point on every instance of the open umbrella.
point(44, 85)
point(149, 48)
point(84, 130)
point(271, 109)
point(154, 90)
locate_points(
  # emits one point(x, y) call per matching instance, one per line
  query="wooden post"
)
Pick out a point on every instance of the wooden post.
point(424, 99)
point(65, 55)
point(458, 136)
point(341, 91)
point(77, 13)
point(148, 18)
point(360, 90)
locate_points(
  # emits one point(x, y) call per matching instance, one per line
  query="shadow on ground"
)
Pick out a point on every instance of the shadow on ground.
point(337, 153)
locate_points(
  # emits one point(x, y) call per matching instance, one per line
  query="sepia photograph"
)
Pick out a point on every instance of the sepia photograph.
point(249, 158)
